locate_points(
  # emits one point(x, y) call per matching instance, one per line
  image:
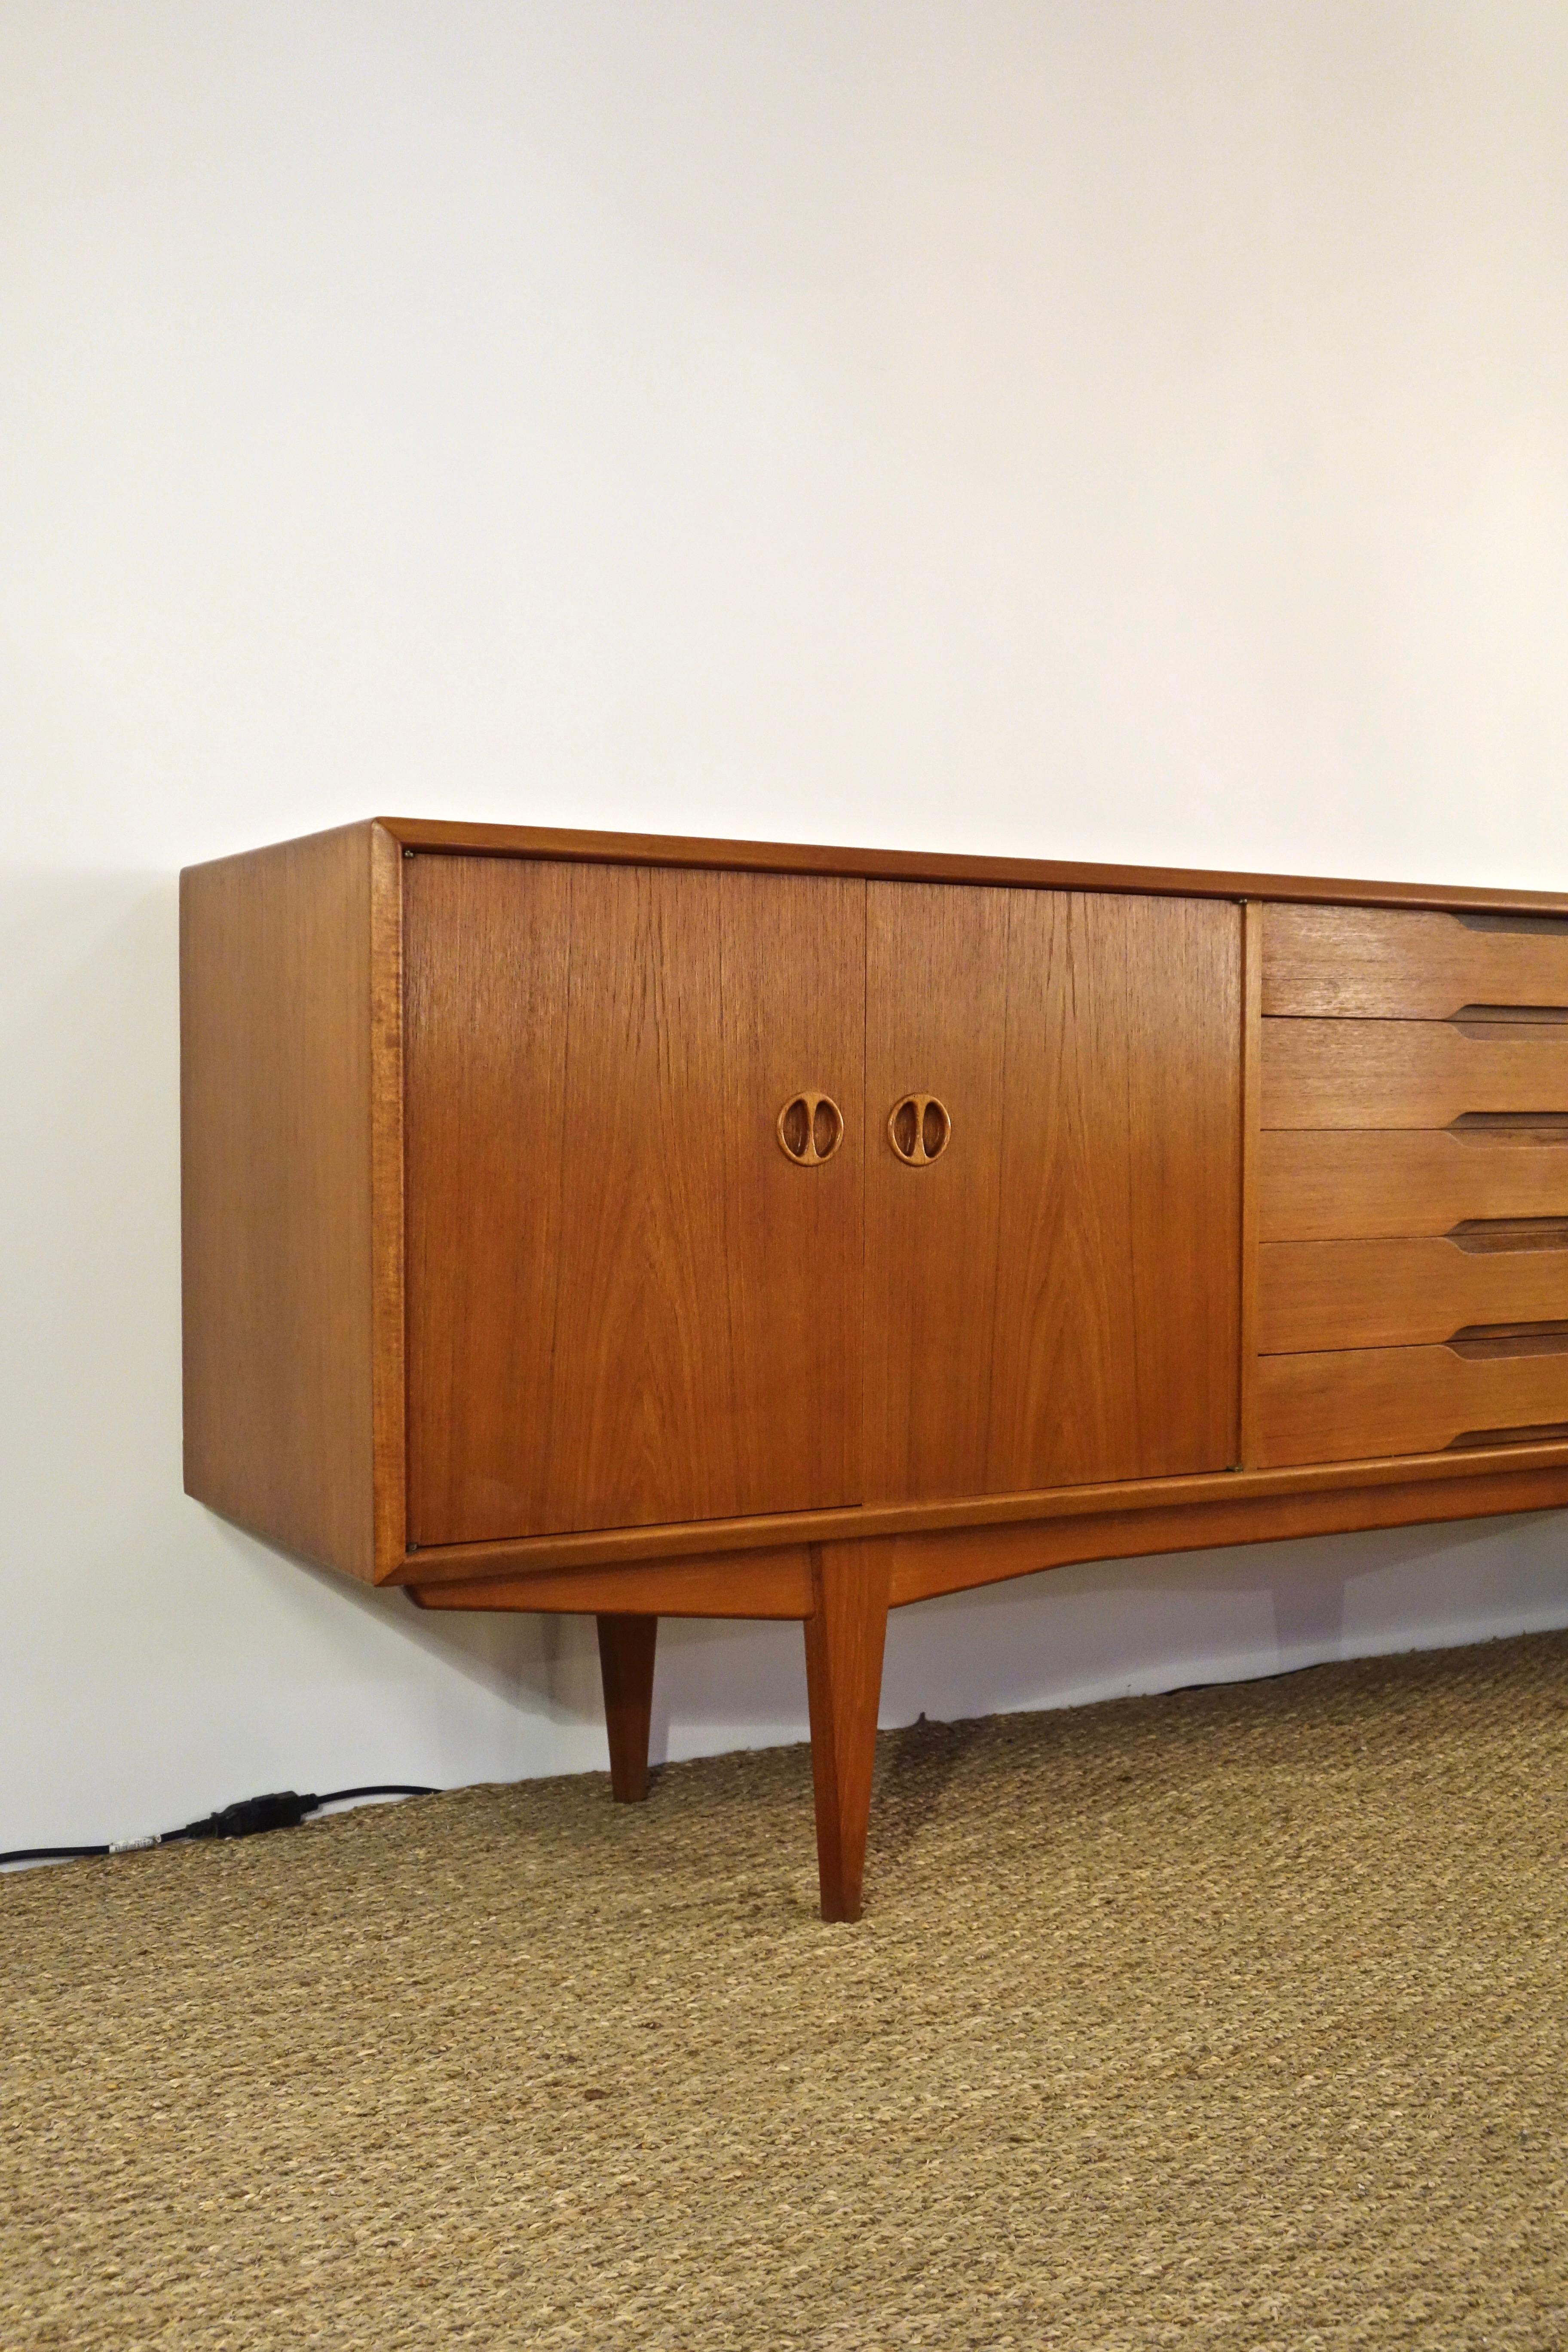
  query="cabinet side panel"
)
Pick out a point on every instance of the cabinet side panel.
point(276, 1114)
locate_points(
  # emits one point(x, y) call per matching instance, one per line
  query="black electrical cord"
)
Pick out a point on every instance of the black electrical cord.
point(284, 1810)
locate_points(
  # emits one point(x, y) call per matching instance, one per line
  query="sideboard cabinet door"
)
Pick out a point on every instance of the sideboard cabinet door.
point(628, 1304)
point(1053, 1298)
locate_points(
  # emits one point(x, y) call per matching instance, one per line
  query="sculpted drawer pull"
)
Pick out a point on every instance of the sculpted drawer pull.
point(1541, 927)
point(918, 1129)
point(810, 1129)
point(1480, 1343)
point(1498, 1236)
point(1489, 1024)
point(1538, 1125)
point(1548, 1433)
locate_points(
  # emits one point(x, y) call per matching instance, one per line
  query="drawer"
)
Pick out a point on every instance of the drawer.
point(1333, 1186)
point(1411, 1073)
point(1357, 962)
point(1398, 1294)
point(1364, 1404)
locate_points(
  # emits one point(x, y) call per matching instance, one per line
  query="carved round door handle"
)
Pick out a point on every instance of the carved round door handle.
point(918, 1128)
point(810, 1129)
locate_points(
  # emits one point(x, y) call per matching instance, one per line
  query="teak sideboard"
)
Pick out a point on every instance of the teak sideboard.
point(578, 1222)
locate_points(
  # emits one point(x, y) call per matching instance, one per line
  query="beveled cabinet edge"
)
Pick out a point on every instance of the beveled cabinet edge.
point(439, 836)
point(956, 1559)
point(388, 1315)
point(461, 1563)
point(1251, 1144)
point(759, 1584)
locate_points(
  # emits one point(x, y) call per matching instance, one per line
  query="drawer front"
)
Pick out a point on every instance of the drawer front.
point(1335, 1186)
point(1391, 1074)
point(1399, 1294)
point(1361, 962)
point(1366, 1405)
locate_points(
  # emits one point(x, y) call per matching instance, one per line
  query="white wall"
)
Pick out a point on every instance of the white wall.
point(1131, 429)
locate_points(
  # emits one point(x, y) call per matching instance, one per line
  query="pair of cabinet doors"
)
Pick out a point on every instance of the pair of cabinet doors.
point(628, 1303)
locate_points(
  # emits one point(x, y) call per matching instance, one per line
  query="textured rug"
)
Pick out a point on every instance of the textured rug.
point(1230, 2019)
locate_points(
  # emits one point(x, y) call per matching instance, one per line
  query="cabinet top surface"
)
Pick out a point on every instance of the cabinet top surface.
point(441, 836)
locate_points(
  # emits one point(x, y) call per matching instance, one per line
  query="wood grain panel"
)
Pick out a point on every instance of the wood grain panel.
point(626, 1305)
point(1393, 1294)
point(1328, 1186)
point(1389, 1074)
point(1356, 1404)
point(278, 1193)
point(1118, 1297)
point(1364, 963)
point(936, 1003)
point(487, 967)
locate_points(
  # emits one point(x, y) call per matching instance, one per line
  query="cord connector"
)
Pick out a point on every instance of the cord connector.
point(284, 1810)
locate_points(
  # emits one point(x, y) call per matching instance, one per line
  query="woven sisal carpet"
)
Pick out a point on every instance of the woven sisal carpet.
point(1234, 2019)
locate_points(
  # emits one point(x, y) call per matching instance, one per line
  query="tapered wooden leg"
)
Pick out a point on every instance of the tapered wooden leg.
point(626, 1662)
point(845, 1636)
